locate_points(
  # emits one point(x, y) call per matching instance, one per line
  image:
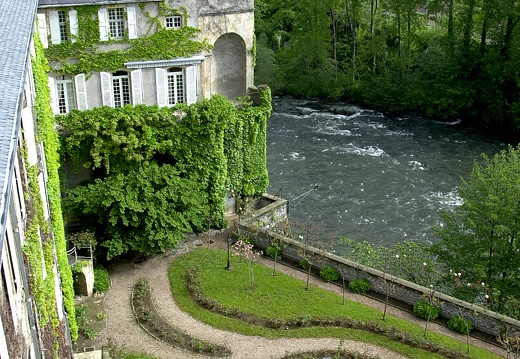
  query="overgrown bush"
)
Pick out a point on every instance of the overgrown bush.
point(272, 252)
point(101, 279)
point(460, 325)
point(425, 310)
point(359, 285)
point(329, 274)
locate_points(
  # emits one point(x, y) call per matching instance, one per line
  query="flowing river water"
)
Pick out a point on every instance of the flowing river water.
point(380, 179)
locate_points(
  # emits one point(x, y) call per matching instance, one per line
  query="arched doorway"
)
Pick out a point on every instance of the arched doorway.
point(228, 69)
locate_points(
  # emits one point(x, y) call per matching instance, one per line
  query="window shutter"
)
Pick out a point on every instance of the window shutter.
point(132, 22)
point(106, 89)
point(52, 88)
point(42, 29)
point(55, 27)
point(191, 85)
point(73, 22)
point(103, 24)
point(81, 91)
point(160, 82)
point(137, 94)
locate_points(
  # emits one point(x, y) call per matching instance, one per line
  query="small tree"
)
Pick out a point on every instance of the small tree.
point(387, 286)
point(244, 250)
point(309, 256)
point(278, 245)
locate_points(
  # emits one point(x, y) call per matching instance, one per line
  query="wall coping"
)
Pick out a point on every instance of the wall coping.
point(377, 273)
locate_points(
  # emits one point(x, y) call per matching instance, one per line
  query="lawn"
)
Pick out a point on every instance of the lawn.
point(285, 297)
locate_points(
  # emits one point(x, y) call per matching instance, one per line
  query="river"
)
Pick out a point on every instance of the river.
point(380, 179)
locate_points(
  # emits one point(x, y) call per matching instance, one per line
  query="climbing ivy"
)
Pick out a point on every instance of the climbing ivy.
point(88, 54)
point(49, 137)
point(164, 171)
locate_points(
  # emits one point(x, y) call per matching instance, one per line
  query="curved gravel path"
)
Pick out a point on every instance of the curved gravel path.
point(122, 331)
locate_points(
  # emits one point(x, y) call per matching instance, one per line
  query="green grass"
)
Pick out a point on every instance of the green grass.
point(285, 297)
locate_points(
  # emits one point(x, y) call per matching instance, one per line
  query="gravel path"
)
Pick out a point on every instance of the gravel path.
point(121, 329)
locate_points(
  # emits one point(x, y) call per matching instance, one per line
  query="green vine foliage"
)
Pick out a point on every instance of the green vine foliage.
point(86, 54)
point(162, 172)
point(49, 137)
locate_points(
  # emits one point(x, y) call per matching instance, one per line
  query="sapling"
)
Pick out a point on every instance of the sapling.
point(244, 249)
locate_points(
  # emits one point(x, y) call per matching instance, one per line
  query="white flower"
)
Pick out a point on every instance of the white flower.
point(300, 237)
point(459, 274)
point(397, 256)
point(424, 264)
point(487, 296)
point(431, 285)
point(483, 284)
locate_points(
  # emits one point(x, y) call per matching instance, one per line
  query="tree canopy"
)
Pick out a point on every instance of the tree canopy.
point(442, 58)
point(480, 237)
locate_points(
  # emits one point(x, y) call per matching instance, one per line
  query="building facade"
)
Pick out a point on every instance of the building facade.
point(152, 52)
point(33, 322)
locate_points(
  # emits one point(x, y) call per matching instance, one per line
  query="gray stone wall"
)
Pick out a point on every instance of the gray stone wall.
point(484, 320)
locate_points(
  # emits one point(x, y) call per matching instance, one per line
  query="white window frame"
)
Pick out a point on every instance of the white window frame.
point(116, 23)
point(190, 82)
point(65, 93)
point(121, 89)
point(63, 26)
point(175, 86)
point(134, 88)
point(174, 22)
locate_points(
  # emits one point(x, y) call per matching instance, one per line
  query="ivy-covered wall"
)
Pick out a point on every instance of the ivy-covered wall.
point(55, 235)
point(88, 54)
point(162, 172)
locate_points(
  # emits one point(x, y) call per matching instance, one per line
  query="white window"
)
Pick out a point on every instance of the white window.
point(176, 85)
point(121, 88)
point(174, 22)
point(65, 94)
point(68, 93)
point(116, 20)
point(63, 25)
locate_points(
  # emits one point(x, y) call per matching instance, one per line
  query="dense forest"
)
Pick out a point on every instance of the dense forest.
point(449, 59)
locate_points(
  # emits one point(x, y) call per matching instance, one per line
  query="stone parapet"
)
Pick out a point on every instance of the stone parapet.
point(483, 319)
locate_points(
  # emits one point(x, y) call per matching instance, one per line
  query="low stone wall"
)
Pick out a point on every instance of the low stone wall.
point(484, 320)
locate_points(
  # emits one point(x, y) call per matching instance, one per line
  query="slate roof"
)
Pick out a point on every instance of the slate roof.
point(16, 27)
point(60, 3)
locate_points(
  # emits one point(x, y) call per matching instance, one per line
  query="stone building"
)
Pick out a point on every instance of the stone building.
point(125, 33)
point(30, 286)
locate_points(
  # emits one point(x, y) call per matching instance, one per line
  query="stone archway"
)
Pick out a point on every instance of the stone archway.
point(228, 68)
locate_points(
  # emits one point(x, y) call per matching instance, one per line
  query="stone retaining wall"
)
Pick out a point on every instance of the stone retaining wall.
point(484, 320)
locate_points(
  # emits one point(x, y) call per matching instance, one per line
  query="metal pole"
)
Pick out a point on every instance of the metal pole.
point(228, 267)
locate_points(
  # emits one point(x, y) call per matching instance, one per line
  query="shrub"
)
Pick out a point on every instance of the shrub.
point(272, 252)
point(425, 310)
point(359, 285)
point(304, 263)
point(247, 239)
point(101, 279)
point(329, 274)
point(460, 325)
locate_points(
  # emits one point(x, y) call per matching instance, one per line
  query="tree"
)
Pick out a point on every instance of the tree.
point(145, 211)
point(479, 238)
